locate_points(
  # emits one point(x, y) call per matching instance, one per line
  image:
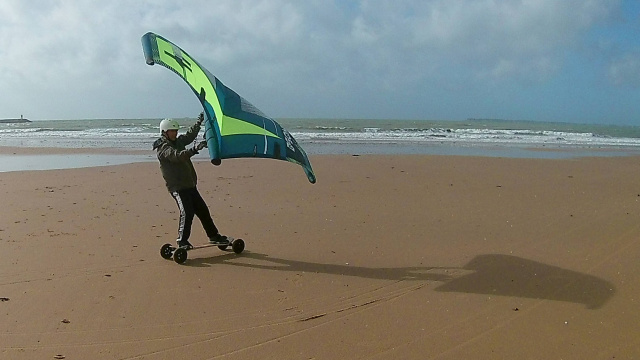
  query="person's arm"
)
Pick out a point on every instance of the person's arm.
point(173, 155)
point(193, 131)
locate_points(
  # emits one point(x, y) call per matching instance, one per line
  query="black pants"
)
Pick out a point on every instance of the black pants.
point(190, 203)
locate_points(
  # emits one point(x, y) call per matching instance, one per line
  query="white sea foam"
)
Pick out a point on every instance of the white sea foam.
point(483, 136)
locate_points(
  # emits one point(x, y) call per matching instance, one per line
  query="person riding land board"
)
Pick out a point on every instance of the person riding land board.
point(181, 179)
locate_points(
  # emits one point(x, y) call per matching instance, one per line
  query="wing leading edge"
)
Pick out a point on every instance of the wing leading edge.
point(233, 127)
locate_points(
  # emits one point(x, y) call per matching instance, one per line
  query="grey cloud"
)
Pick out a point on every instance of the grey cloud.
point(290, 58)
point(625, 71)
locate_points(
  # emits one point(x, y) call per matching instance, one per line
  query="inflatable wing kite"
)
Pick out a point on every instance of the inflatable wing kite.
point(233, 127)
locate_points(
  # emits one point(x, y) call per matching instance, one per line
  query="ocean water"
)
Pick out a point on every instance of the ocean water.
point(482, 137)
point(140, 133)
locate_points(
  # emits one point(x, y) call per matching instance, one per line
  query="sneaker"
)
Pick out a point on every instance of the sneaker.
point(184, 244)
point(219, 240)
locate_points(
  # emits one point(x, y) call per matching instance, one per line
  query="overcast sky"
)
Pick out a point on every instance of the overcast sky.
point(547, 60)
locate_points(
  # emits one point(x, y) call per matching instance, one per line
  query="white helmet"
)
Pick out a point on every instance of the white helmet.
point(168, 124)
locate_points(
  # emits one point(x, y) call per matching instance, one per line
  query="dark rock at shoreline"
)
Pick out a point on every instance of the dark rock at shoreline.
point(12, 121)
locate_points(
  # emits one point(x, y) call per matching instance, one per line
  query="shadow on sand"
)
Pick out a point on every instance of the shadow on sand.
point(513, 276)
point(491, 274)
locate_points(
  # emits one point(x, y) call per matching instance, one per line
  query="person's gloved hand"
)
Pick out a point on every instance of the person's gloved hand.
point(200, 119)
point(201, 145)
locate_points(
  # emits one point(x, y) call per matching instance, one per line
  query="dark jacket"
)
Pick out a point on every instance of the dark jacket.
point(175, 160)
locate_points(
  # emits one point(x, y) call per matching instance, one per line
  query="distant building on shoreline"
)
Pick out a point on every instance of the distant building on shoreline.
point(10, 121)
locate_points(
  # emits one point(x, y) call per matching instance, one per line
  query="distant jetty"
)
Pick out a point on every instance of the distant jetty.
point(12, 121)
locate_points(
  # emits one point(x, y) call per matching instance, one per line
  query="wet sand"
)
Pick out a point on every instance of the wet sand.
point(414, 257)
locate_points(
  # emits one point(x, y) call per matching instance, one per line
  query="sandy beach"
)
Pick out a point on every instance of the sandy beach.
point(386, 257)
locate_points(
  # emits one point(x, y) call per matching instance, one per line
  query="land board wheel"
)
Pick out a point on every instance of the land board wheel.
point(223, 247)
point(166, 251)
point(238, 246)
point(180, 255)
